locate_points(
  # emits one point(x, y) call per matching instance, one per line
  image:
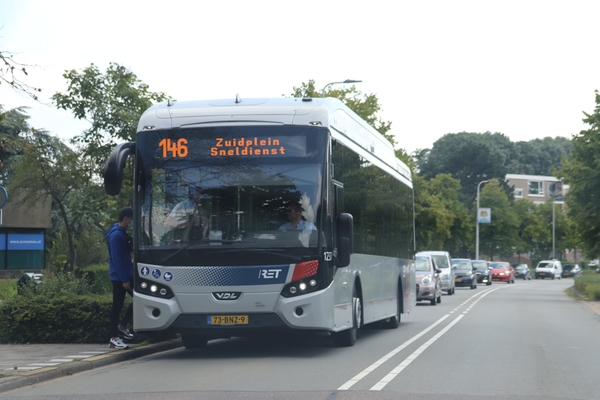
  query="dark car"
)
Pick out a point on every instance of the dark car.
point(571, 270)
point(482, 271)
point(464, 275)
point(522, 271)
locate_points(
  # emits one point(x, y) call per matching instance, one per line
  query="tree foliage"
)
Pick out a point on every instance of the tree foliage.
point(439, 215)
point(112, 102)
point(13, 127)
point(582, 174)
point(365, 105)
point(499, 237)
point(50, 168)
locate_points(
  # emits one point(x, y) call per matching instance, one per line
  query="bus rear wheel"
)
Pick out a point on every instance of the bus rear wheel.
point(347, 338)
point(193, 340)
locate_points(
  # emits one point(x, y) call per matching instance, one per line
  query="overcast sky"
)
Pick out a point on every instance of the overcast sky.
point(527, 69)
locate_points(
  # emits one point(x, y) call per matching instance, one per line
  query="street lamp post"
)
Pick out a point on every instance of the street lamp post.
point(477, 218)
point(336, 83)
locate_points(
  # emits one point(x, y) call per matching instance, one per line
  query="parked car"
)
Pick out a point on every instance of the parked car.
point(429, 285)
point(464, 273)
point(548, 269)
point(571, 270)
point(502, 271)
point(482, 271)
point(443, 262)
point(522, 271)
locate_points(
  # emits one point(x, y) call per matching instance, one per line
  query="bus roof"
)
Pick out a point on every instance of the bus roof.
point(345, 125)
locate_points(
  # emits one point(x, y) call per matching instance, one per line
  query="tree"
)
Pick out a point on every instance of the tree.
point(13, 125)
point(469, 157)
point(48, 167)
point(440, 218)
point(500, 236)
point(9, 74)
point(582, 174)
point(112, 102)
point(366, 106)
point(531, 228)
point(539, 156)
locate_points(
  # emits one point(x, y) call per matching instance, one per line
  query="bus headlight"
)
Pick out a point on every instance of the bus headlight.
point(153, 289)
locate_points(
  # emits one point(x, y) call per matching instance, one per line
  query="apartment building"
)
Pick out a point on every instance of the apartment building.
point(537, 188)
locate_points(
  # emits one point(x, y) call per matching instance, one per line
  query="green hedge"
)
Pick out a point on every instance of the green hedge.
point(64, 310)
point(63, 318)
point(589, 285)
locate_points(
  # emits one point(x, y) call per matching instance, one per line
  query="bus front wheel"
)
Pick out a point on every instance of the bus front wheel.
point(348, 337)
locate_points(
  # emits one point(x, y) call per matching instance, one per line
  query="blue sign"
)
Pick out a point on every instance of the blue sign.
point(23, 241)
point(156, 273)
point(168, 277)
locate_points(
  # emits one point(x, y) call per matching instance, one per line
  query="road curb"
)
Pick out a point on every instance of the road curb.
point(46, 374)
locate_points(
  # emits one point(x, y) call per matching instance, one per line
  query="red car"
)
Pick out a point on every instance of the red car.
point(502, 271)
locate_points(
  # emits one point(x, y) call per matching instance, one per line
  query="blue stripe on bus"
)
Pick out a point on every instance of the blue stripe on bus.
point(225, 275)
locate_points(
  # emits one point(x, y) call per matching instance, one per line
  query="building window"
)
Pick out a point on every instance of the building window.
point(555, 190)
point(518, 193)
point(536, 188)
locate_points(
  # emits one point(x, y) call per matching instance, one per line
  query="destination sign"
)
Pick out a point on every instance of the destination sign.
point(220, 147)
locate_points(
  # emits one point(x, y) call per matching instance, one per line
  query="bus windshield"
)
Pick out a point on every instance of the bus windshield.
point(247, 188)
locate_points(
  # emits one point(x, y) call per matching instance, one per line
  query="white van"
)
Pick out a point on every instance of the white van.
point(548, 269)
point(442, 261)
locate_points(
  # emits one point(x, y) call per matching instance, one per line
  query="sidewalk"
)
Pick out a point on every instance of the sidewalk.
point(27, 364)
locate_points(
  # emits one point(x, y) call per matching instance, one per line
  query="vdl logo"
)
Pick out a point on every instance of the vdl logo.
point(269, 273)
point(227, 295)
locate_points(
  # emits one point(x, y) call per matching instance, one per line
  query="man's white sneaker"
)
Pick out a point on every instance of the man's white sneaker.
point(117, 344)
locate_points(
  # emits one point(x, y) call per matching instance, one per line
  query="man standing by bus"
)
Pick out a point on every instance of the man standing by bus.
point(121, 276)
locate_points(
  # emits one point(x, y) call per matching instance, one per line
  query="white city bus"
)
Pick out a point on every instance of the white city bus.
point(212, 256)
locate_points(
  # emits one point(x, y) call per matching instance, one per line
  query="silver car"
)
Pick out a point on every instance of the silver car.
point(429, 286)
point(443, 262)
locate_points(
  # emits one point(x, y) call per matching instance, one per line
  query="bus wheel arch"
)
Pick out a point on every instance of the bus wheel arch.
point(347, 337)
point(394, 322)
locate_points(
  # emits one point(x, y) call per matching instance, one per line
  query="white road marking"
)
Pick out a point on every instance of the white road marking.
point(392, 353)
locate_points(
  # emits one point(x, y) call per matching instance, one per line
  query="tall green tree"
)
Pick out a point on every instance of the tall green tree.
point(469, 157)
point(50, 168)
point(112, 102)
point(367, 106)
point(582, 174)
point(13, 128)
point(441, 219)
point(499, 237)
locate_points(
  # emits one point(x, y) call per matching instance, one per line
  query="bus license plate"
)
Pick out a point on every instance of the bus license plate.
point(228, 320)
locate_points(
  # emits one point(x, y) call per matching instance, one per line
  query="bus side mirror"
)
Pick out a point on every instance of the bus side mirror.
point(345, 239)
point(113, 169)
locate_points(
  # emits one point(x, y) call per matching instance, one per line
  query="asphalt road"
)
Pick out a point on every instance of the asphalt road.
point(523, 341)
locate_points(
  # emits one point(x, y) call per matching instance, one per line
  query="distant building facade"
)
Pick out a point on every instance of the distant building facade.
point(23, 235)
point(540, 189)
point(537, 188)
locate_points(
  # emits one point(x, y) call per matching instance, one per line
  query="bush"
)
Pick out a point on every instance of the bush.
point(61, 318)
point(588, 284)
point(63, 309)
point(59, 310)
point(8, 289)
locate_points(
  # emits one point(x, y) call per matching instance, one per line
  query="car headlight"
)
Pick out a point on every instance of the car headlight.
point(426, 280)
